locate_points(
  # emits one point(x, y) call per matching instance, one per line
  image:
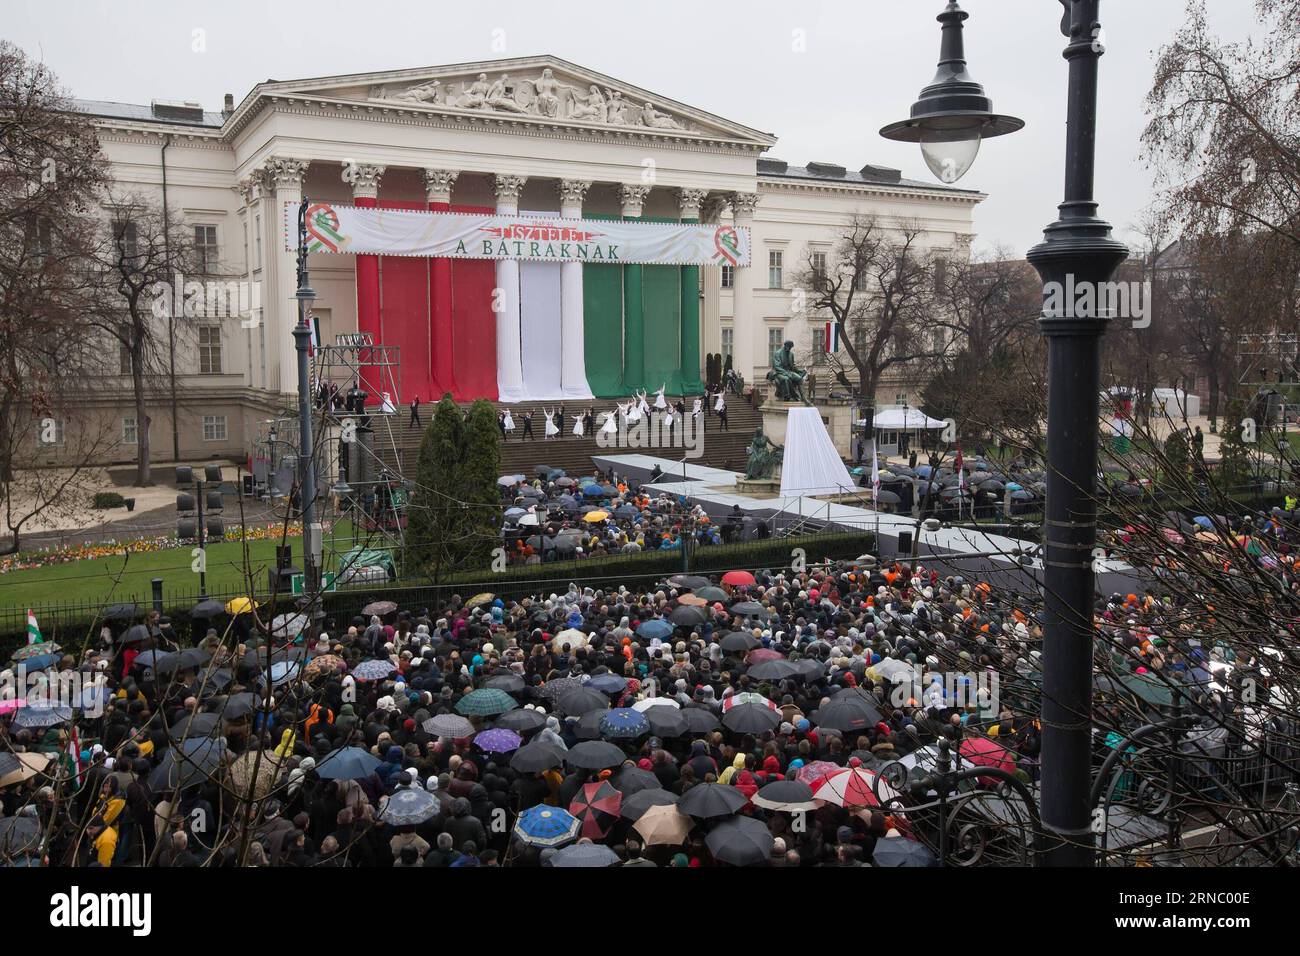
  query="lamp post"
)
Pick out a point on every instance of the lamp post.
point(950, 119)
point(311, 531)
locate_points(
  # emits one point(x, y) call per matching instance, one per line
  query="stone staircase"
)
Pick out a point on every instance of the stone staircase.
point(720, 449)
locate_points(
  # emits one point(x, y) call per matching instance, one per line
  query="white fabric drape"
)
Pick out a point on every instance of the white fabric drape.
point(811, 465)
point(540, 326)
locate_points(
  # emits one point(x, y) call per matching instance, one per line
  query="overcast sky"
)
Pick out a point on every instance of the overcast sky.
point(861, 65)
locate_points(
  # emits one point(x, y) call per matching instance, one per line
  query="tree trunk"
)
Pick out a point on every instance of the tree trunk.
point(143, 473)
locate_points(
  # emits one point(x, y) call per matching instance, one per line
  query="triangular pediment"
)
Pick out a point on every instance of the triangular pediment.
point(542, 89)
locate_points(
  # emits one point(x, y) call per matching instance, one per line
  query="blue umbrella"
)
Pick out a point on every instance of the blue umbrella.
point(373, 670)
point(541, 825)
point(350, 763)
point(607, 683)
point(924, 471)
point(497, 740)
point(40, 662)
point(899, 851)
point(42, 714)
point(1015, 486)
point(585, 854)
point(623, 723)
point(1204, 522)
point(593, 491)
point(281, 671)
point(408, 806)
point(514, 512)
point(656, 627)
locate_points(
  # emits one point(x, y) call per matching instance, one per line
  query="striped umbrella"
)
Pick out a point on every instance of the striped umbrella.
point(748, 697)
point(486, 702)
point(853, 787)
point(546, 826)
point(597, 806)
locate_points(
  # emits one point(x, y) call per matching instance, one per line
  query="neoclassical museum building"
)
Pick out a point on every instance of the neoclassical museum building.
point(439, 204)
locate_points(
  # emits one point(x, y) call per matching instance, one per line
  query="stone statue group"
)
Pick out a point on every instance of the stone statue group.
point(542, 96)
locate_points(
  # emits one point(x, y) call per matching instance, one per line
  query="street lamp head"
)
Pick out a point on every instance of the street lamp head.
point(953, 115)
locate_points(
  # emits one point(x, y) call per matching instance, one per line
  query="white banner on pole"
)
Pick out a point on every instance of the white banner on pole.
point(332, 227)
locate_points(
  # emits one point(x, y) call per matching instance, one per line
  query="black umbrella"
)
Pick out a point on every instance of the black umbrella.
point(887, 498)
point(20, 836)
point(773, 670)
point(712, 594)
point(536, 757)
point(688, 616)
point(594, 755)
point(738, 642)
point(521, 720)
point(135, 634)
point(900, 851)
point(635, 806)
point(588, 726)
point(843, 715)
point(748, 608)
point(208, 609)
point(708, 800)
point(187, 763)
point(239, 705)
point(510, 683)
point(689, 581)
point(743, 841)
point(751, 719)
point(864, 699)
point(992, 485)
point(809, 668)
point(667, 722)
point(698, 719)
point(580, 701)
point(630, 779)
point(121, 612)
point(198, 725)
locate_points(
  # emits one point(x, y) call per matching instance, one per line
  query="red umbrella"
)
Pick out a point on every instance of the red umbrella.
point(738, 578)
point(764, 654)
point(597, 805)
point(852, 787)
point(987, 753)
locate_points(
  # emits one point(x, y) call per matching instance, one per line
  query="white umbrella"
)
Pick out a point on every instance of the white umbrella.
point(289, 625)
point(528, 520)
point(571, 636)
point(643, 705)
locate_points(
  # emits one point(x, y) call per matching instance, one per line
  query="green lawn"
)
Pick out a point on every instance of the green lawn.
point(122, 576)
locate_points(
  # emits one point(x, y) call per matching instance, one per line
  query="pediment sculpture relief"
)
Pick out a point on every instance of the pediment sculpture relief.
point(544, 96)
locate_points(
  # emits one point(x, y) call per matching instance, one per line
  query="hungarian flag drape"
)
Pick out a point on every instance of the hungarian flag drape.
point(33, 630)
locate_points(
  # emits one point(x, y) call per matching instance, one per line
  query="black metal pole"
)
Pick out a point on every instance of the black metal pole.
point(203, 553)
point(1077, 250)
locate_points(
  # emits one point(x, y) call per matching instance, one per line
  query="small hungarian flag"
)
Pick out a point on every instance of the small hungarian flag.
point(832, 337)
point(957, 465)
point(33, 630)
point(74, 758)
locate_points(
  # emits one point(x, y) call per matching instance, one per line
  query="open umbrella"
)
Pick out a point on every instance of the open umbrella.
point(588, 725)
point(641, 801)
point(240, 605)
point(497, 740)
point(594, 755)
point(135, 634)
point(631, 779)
point(812, 773)
point(378, 608)
point(743, 841)
point(408, 806)
point(28, 651)
point(571, 636)
point(20, 836)
point(738, 578)
point(373, 670)
point(773, 670)
point(42, 714)
point(324, 665)
point(900, 851)
point(853, 787)
point(747, 697)
point(580, 700)
point(790, 796)
point(544, 826)
point(608, 683)
point(687, 616)
point(655, 627)
point(748, 609)
point(984, 752)
point(195, 725)
point(709, 800)
point(262, 766)
point(751, 719)
point(453, 726)
point(486, 702)
point(590, 855)
point(597, 806)
point(663, 825)
point(190, 762)
point(23, 767)
point(536, 757)
point(348, 763)
point(510, 683)
point(691, 600)
point(845, 714)
point(623, 723)
point(713, 594)
point(40, 662)
point(738, 642)
point(699, 720)
point(522, 720)
point(650, 703)
point(593, 517)
point(668, 721)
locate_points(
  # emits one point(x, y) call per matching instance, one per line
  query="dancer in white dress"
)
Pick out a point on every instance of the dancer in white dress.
point(719, 404)
point(659, 397)
point(611, 422)
point(577, 424)
point(633, 413)
point(642, 405)
point(698, 408)
point(509, 423)
point(551, 429)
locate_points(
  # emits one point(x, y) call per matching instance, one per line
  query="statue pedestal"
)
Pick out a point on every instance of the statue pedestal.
point(761, 487)
point(838, 415)
point(775, 414)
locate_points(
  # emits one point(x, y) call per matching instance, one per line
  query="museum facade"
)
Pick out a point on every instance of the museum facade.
point(534, 140)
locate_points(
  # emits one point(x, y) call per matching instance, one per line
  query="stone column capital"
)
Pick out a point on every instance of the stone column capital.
point(438, 184)
point(743, 205)
point(363, 178)
point(508, 188)
point(632, 198)
point(280, 172)
point(689, 202)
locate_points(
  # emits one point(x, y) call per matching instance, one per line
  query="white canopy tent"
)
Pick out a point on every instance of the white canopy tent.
point(904, 419)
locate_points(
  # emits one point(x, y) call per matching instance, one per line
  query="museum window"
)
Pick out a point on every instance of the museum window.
point(130, 433)
point(819, 346)
point(727, 344)
point(205, 249)
point(775, 337)
point(728, 277)
point(214, 427)
point(209, 350)
point(775, 269)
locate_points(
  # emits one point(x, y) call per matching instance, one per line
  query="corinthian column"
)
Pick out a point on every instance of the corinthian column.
point(510, 368)
point(688, 201)
point(282, 179)
point(633, 311)
point(364, 180)
point(437, 186)
point(742, 322)
point(573, 354)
